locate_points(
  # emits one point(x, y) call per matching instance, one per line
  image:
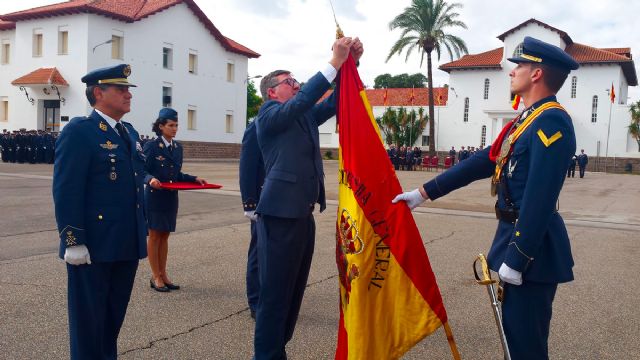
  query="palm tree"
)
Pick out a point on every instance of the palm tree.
point(634, 127)
point(401, 127)
point(423, 26)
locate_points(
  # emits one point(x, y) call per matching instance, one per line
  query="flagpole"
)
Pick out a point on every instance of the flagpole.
point(606, 149)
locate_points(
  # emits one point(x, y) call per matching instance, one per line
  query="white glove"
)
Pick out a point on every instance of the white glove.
point(251, 215)
point(77, 255)
point(412, 198)
point(509, 275)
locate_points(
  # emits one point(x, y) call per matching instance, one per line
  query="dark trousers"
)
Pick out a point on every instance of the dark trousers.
point(571, 172)
point(582, 169)
point(253, 282)
point(526, 316)
point(98, 295)
point(285, 250)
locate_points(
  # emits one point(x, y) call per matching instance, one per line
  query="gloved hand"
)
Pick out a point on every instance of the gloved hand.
point(77, 255)
point(412, 198)
point(509, 275)
point(251, 215)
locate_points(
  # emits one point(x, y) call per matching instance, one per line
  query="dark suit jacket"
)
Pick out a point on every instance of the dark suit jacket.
point(98, 191)
point(537, 175)
point(289, 141)
point(251, 169)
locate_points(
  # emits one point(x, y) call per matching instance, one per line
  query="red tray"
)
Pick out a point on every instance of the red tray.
point(188, 186)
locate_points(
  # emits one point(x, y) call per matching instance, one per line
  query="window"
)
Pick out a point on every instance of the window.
point(425, 140)
point(63, 41)
point(6, 52)
point(574, 86)
point(486, 89)
point(167, 56)
point(229, 122)
point(518, 51)
point(193, 62)
point(230, 72)
point(4, 109)
point(483, 136)
point(166, 95)
point(117, 51)
point(466, 110)
point(191, 118)
point(37, 43)
point(594, 109)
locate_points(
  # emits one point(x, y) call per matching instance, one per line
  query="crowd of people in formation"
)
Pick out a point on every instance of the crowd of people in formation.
point(406, 158)
point(32, 146)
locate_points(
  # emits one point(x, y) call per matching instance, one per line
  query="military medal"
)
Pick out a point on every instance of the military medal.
point(109, 145)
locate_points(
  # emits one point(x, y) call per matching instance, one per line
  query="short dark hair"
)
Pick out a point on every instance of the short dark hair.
point(89, 92)
point(553, 77)
point(270, 81)
point(155, 127)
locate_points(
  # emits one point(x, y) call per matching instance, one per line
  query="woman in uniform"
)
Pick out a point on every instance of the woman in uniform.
point(164, 163)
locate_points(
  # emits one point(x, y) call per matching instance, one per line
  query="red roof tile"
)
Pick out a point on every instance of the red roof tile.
point(402, 96)
point(565, 37)
point(487, 60)
point(585, 54)
point(42, 76)
point(7, 25)
point(620, 51)
point(127, 11)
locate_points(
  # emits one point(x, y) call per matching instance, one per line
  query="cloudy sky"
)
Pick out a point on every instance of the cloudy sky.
point(297, 34)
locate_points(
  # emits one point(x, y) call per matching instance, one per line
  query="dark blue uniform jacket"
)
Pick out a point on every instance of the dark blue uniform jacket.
point(537, 244)
point(98, 190)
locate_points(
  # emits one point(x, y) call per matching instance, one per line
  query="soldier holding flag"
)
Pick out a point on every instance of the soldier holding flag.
point(527, 164)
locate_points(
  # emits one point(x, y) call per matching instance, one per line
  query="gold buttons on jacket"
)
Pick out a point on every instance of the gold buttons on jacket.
point(100, 217)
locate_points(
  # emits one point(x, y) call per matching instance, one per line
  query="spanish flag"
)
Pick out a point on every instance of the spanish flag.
point(412, 97)
point(385, 96)
point(613, 94)
point(389, 299)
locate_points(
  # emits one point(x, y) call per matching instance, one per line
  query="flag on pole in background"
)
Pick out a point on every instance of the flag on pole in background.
point(613, 94)
point(385, 96)
point(411, 96)
point(389, 299)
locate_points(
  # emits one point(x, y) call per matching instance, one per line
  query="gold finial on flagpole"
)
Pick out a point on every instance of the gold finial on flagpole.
point(339, 33)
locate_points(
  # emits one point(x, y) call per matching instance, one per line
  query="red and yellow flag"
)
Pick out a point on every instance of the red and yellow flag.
point(613, 94)
point(411, 97)
point(385, 96)
point(389, 299)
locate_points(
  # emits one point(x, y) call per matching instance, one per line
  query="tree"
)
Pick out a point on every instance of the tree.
point(634, 127)
point(402, 127)
point(253, 101)
point(386, 81)
point(424, 26)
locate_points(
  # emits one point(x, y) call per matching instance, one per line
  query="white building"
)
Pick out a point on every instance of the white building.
point(478, 103)
point(178, 59)
point(480, 98)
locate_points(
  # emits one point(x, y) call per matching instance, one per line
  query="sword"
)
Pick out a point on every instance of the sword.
point(495, 299)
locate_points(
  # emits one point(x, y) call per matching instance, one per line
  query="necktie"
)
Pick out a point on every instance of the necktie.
point(123, 134)
point(170, 148)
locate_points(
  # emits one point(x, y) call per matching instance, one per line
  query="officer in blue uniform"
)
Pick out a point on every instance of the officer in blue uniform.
point(527, 163)
point(251, 180)
point(287, 132)
point(163, 164)
point(583, 160)
point(98, 191)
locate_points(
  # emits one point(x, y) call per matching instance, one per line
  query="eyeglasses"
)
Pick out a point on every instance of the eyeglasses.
point(289, 81)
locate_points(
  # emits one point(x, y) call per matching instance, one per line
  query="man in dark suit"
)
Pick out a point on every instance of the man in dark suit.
point(452, 155)
point(527, 163)
point(287, 132)
point(251, 180)
point(583, 160)
point(98, 194)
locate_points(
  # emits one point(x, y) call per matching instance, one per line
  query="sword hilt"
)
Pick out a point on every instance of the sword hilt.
point(486, 275)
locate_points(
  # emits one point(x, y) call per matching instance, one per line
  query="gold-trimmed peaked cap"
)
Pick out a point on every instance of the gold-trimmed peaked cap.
point(112, 75)
point(539, 52)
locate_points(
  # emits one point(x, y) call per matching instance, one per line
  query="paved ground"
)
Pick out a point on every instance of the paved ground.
point(595, 317)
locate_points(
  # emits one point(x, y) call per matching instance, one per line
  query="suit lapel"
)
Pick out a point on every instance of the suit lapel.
point(106, 130)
